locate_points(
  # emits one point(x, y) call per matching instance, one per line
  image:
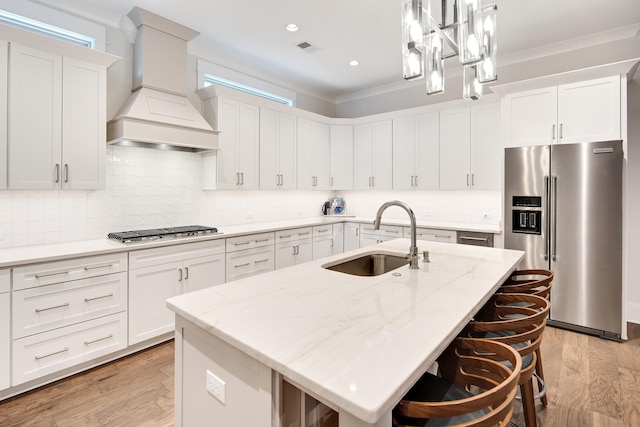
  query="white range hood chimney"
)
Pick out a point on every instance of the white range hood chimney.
point(158, 113)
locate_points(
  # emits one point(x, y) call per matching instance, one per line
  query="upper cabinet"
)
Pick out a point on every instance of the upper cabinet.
point(341, 157)
point(236, 162)
point(373, 150)
point(4, 63)
point(470, 148)
point(415, 152)
point(277, 150)
point(314, 155)
point(57, 108)
point(576, 112)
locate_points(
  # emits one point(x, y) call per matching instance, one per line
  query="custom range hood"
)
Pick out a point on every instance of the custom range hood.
point(158, 113)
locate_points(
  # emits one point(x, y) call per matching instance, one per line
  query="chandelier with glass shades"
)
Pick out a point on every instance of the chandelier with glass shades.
point(471, 36)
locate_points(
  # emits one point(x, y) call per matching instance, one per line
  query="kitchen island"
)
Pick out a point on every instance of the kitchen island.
point(356, 344)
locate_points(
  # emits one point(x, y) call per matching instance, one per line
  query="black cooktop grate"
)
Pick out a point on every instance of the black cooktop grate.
point(162, 233)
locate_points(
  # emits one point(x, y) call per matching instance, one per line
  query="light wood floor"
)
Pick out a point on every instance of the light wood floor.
point(592, 382)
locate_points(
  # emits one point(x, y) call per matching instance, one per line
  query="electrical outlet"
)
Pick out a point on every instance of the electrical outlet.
point(216, 387)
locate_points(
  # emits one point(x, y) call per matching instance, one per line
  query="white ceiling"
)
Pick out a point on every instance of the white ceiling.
point(249, 35)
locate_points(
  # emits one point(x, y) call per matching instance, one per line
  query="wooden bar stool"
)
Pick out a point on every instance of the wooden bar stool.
point(505, 320)
point(476, 386)
point(537, 282)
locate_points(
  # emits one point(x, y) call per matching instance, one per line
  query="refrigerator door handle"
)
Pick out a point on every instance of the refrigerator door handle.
point(547, 198)
point(555, 217)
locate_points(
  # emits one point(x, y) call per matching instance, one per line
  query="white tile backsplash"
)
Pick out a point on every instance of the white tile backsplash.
point(148, 188)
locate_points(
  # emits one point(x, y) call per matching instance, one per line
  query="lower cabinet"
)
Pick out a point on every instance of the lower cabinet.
point(5, 332)
point(328, 240)
point(160, 273)
point(300, 409)
point(249, 255)
point(369, 236)
point(293, 247)
point(351, 238)
point(432, 234)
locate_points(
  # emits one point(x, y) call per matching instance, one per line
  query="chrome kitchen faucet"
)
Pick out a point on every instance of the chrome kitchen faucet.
point(413, 249)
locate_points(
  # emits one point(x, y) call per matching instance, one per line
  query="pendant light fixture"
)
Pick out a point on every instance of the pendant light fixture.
point(471, 36)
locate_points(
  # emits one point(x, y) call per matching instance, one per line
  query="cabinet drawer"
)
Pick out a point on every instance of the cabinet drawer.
point(166, 254)
point(249, 262)
point(432, 234)
point(63, 271)
point(322, 230)
point(293, 234)
point(5, 280)
point(475, 238)
point(48, 307)
point(249, 242)
point(52, 351)
point(385, 230)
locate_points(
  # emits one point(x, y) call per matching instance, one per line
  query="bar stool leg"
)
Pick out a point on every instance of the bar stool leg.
point(528, 404)
point(543, 398)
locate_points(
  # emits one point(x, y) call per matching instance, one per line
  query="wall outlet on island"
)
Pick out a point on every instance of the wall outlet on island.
point(216, 387)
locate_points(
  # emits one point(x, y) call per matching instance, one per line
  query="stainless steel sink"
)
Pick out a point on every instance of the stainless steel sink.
point(370, 264)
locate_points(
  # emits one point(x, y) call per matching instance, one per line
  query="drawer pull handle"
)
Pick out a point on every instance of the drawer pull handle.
point(98, 266)
point(262, 240)
point(303, 234)
point(477, 239)
point(100, 297)
point(323, 231)
point(262, 260)
point(242, 243)
point(98, 339)
point(439, 236)
point(52, 354)
point(57, 273)
point(242, 265)
point(285, 236)
point(66, 304)
point(392, 231)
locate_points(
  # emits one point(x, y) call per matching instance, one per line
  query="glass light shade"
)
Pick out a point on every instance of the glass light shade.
point(412, 39)
point(487, 69)
point(469, 32)
point(435, 64)
point(471, 87)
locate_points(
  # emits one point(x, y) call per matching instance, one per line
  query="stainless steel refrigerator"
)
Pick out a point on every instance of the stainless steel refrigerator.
point(563, 206)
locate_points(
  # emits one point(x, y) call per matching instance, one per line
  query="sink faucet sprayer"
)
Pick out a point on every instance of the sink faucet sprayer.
point(413, 249)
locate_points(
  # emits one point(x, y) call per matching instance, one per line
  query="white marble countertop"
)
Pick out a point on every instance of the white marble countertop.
point(23, 255)
point(356, 343)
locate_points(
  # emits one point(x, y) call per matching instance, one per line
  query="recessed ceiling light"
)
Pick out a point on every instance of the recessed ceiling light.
point(354, 63)
point(292, 28)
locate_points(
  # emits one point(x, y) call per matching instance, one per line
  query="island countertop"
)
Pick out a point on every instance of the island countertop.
point(357, 343)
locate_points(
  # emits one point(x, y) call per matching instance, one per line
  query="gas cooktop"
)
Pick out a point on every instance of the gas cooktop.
point(153, 234)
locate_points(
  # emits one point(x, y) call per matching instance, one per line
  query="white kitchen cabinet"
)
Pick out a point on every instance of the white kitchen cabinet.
point(341, 157)
point(249, 255)
point(67, 312)
point(160, 273)
point(237, 161)
point(470, 148)
point(351, 238)
point(327, 240)
point(277, 150)
point(4, 64)
point(293, 246)
point(369, 236)
point(373, 151)
point(5, 329)
point(314, 155)
point(576, 112)
point(416, 152)
point(432, 234)
point(66, 98)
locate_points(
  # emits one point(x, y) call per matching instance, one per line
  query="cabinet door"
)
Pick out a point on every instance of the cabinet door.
point(304, 252)
point(427, 151)
point(589, 111)
point(322, 247)
point(305, 179)
point(404, 158)
point(362, 156)
point(351, 236)
point(227, 120)
point(287, 150)
point(285, 254)
point(382, 142)
point(248, 145)
point(4, 64)
point(84, 125)
point(5, 340)
point(200, 273)
point(530, 118)
point(269, 172)
point(338, 238)
point(35, 103)
point(486, 147)
point(322, 156)
point(455, 154)
point(341, 157)
point(149, 289)
point(314, 155)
